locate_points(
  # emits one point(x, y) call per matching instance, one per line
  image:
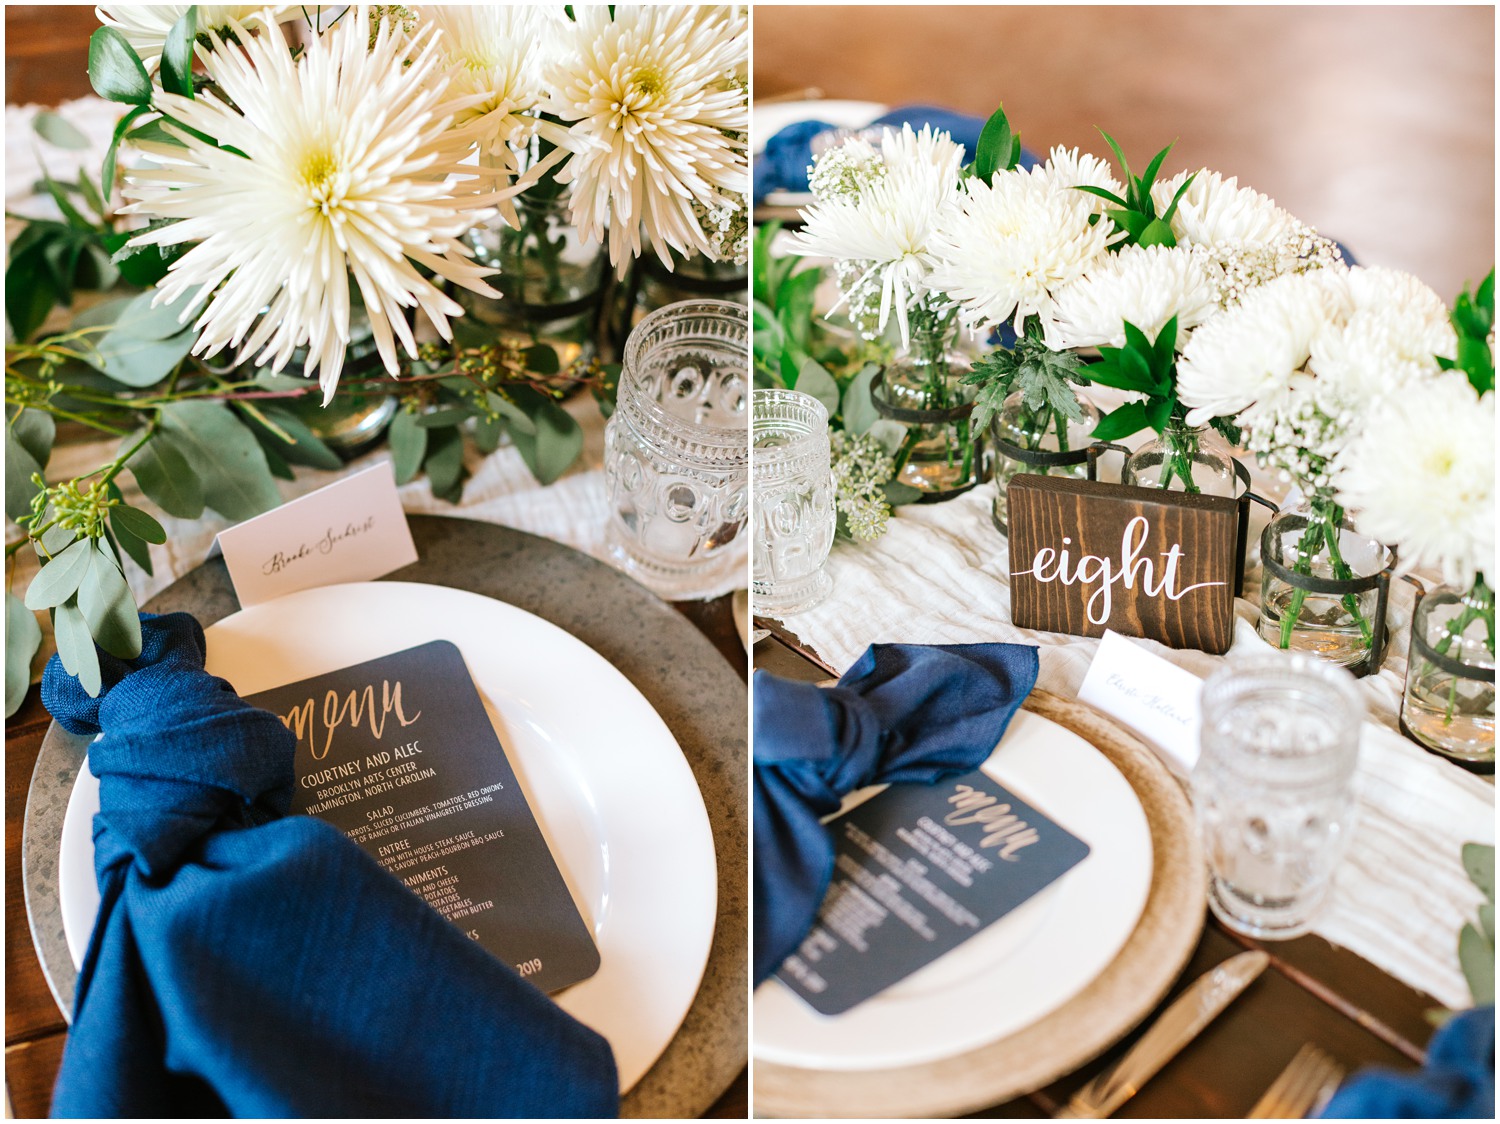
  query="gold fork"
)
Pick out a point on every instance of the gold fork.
point(1302, 1089)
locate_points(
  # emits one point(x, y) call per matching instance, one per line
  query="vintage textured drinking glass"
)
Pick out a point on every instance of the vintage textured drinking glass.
point(1273, 789)
point(677, 450)
point(794, 515)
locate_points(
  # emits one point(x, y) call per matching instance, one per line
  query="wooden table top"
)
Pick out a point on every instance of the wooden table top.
point(34, 1027)
point(1312, 992)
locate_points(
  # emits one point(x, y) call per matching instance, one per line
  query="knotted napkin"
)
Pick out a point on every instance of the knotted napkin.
point(1458, 1081)
point(250, 963)
point(903, 713)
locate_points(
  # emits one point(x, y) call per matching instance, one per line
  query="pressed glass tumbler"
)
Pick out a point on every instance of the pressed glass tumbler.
point(677, 450)
point(794, 514)
point(1273, 788)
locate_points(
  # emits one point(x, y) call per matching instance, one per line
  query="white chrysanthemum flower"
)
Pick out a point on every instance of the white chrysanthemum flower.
point(1391, 335)
point(1068, 169)
point(1247, 355)
point(1143, 285)
point(498, 54)
point(1421, 475)
point(145, 26)
point(1217, 210)
point(888, 226)
point(346, 153)
point(1012, 243)
point(657, 109)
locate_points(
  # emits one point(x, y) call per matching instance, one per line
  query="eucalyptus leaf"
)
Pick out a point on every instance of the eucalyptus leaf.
point(858, 407)
point(408, 446)
point(59, 579)
point(889, 433)
point(129, 542)
point(166, 478)
point(444, 418)
point(1479, 865)
point(558, 440)
point(20, 465)
point(136, 362)
point(306, 448)
point(1487, 921)
point(487, 434)
point(514, 416)
point(224, 455)
point(542, 360)
point(115, 70)
point(108, 606)
point(58, 130)
point(897, 494)
point(138, 523)
point(23, 636)
point(445, 462)
point(76, 646)
point(1476, 956)
point(813, 378)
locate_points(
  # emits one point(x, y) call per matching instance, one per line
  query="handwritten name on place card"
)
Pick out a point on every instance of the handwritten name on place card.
point(352, 530)
point(1154, 697)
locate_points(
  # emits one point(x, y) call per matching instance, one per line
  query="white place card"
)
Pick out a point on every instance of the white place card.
point(351, 531)
point(1154, 697)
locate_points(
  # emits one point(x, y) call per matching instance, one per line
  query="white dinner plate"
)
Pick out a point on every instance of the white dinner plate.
point(1017, 970)
point(615, 798)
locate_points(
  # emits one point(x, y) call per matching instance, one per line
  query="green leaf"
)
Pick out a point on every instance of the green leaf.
point(1102, 193)
point(65, 205)
point(58, 580)
point(858, 407)
point(1156, 233)
point(107, 173)
point(487, 434)
point(814, 379)
point(443, 419)
point(897, 493)
point(1479, 865)
point(1484, 296)
point(28, 446)
point(58, 130)
point(76, 646)
point(889, 433)
point(995, 145)
point(1177, 198)
point(23, 636)
point(1120, 156)
point(558, 440)
point(1129, 418)
point(28, 296)
point(165, 477)
point(129, 542)
point(514, 416)
point(542, 360)
point(143, 264)
point(445, 463)
point(1132, 222)
point(408, 446)
point(1477, 958)
point(1158, 413)
point(1149, 176)
point(225, 456)
point(108, 606)
point(91, 193)
point(1487, 921)
point(177, 55)
point(116, 71)
point(138, 523)
point(306, 447)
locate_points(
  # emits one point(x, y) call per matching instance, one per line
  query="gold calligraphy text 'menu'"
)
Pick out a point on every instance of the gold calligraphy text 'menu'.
point(1006, 832)
point(354, 709)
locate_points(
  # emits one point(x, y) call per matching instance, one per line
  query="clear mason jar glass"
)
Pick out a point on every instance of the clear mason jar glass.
point(1183, 458)
point(692, 278)
point(791, 467)
point(550, 281)
point(676, 449)
point(1317, 540)
point(1046, 433)
point(921, 390)
point(1273, 789)
point(1449, 704)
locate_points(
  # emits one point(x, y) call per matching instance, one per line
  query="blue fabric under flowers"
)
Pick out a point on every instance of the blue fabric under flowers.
point(249, 963)
point(1458, 1081)
point(904, 713)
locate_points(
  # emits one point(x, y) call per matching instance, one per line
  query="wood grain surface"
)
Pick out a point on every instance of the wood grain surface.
point(1087, 556)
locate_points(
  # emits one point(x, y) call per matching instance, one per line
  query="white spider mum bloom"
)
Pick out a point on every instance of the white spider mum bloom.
point(657, 109)
point(1143, 285)
point(1248, 354)
point(1390, 337)
point(1072, 168)
point(1216, 210)
point(1421, 475)
point(888, 226)
point(342, 179)
point(1009, 245)
point(145, 26)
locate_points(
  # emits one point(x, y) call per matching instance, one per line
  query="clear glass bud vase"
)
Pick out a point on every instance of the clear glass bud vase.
point(940, 457)
point(1449, 704)
point(1183, 458)
point(550, 278)
point(1323, 588)
point(1038, 442)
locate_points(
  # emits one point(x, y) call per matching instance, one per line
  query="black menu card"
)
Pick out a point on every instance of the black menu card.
point(399, 754)
point(918, 870)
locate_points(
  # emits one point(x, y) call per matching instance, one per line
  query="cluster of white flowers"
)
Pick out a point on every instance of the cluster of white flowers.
point(1142, 285)
point(363, 159)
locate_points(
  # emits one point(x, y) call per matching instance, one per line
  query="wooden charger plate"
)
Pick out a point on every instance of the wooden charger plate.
point(1082, 1028)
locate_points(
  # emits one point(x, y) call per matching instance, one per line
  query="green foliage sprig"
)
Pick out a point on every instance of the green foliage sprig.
point(1042, 375)
point(1476, 942)
point(1473, 319)
point(1136, 213)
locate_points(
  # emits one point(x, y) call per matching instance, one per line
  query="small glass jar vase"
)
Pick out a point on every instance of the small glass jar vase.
point(1449, 704)
point(550, 278)
point(677, 450)
point(1324, 586)
point(794, 512)
point(692, 278)
point(940, 456)
point(1183, 458)
point(1042, 443)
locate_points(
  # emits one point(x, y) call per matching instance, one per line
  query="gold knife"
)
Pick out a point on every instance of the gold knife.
point(1179, 1024)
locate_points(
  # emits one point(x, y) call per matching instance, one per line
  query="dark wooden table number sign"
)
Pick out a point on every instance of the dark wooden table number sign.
point(1087, 556)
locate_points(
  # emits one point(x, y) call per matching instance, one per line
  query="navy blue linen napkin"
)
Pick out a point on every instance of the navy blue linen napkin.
point(782, 164)
point(250, 963)
point(904, 713)
point(1458, 1081)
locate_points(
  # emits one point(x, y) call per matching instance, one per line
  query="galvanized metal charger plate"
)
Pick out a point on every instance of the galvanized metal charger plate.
point(699, 697)
point(1082, 1028)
